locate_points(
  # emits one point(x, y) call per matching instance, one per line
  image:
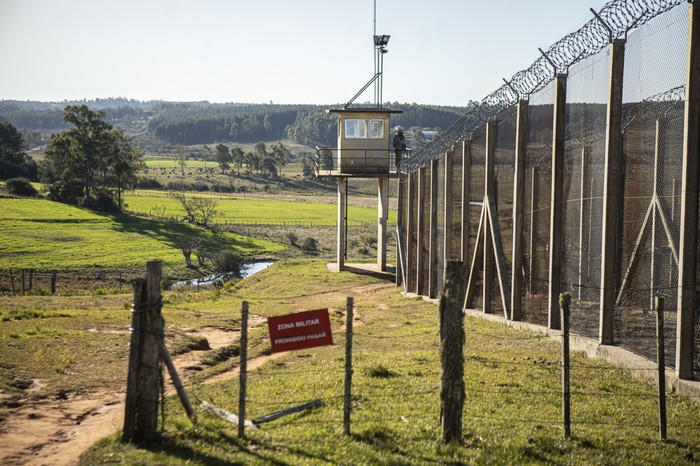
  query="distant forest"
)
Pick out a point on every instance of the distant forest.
point(190, 123)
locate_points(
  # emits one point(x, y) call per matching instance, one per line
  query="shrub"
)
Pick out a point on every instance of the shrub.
point(104, 202)
point(180, 186)
point(20, 187)
point(228, 263)
point(381, 372)
point(149, 183)
point(369, 240)
point(292, 238)
point(309, 244)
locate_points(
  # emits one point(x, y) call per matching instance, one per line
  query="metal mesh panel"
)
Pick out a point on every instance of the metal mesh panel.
point(538, 165)
point(412, 249)
point(505, 172)
point(403, 226)
point(456, 214)
point(440, 259)
point(587, 90)
point(652, 144)
point(424, 246)
point(476, 196)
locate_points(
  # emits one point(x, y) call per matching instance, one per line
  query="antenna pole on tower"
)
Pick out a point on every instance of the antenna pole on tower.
point(380, 43)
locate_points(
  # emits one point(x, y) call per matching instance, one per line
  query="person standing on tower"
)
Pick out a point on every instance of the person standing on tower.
point(399, 146)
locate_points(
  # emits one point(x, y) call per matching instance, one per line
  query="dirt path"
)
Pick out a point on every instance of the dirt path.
point(57, 432)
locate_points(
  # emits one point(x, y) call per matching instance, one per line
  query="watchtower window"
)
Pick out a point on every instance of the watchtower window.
point(356, 128)
point(376, 129)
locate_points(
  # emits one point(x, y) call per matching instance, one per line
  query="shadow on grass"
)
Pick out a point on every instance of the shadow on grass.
point(383, 439)
point(262, 451)
point(170, 232)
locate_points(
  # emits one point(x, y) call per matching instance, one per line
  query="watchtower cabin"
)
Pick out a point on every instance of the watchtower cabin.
point(364, 150)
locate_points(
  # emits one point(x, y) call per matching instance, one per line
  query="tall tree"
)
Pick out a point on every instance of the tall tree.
point(13, 161)
point(91, 156)
point(124, 163)
point(223, 157)
point(260, 151)
point(238, 158)
point(281, 156)
point(181, 157)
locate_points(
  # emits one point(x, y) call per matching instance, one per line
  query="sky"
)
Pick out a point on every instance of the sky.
point(441, 52)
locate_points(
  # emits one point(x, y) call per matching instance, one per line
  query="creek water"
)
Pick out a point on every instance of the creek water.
point(246, 271)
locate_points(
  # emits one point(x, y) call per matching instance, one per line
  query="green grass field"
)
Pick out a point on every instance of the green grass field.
point(235, 209)
point(43, 234)
point(511, 415)
point(78, 346)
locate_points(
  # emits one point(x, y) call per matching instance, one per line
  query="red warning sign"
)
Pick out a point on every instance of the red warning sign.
point(300, 330)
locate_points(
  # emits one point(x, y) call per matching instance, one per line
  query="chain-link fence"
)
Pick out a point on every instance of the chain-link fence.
point(650, 41)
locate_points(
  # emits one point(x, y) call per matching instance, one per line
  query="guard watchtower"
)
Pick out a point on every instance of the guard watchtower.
point(364, 150)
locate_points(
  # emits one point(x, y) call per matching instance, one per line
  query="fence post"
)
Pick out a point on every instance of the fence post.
point(243, 370)
point(661, 364)
point(12, 283)
point(24, 282)
point(564, 303)
point(556, 217)
point(341, 233)
point(53, 282)
point(347, 395)
point(452, 351)
point(144, 376)
point(31, 279)
point(612, 194)
point(690, 184)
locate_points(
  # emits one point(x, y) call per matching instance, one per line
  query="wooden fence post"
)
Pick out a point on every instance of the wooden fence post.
point(452, 351)
point(144, 376)
point(347, 395)
point(12, 283)
point(243, 370)
point(564, 303)
point(54, 275)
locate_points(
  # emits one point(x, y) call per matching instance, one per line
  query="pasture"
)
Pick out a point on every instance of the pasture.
point(42, 234)
point(242, 210)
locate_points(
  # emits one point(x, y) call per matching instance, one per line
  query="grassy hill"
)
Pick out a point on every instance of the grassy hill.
point(237, 209)
point(42, 234)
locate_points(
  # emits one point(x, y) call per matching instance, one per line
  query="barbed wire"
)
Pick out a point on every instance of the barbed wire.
point(614, 21)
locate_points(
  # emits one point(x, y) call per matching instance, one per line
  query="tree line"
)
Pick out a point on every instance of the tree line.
point(190, 123)
point(260, 159)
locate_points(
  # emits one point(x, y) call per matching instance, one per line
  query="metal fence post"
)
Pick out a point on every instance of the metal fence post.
point(564, 303)
point(661, 365)
point(347, 395)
